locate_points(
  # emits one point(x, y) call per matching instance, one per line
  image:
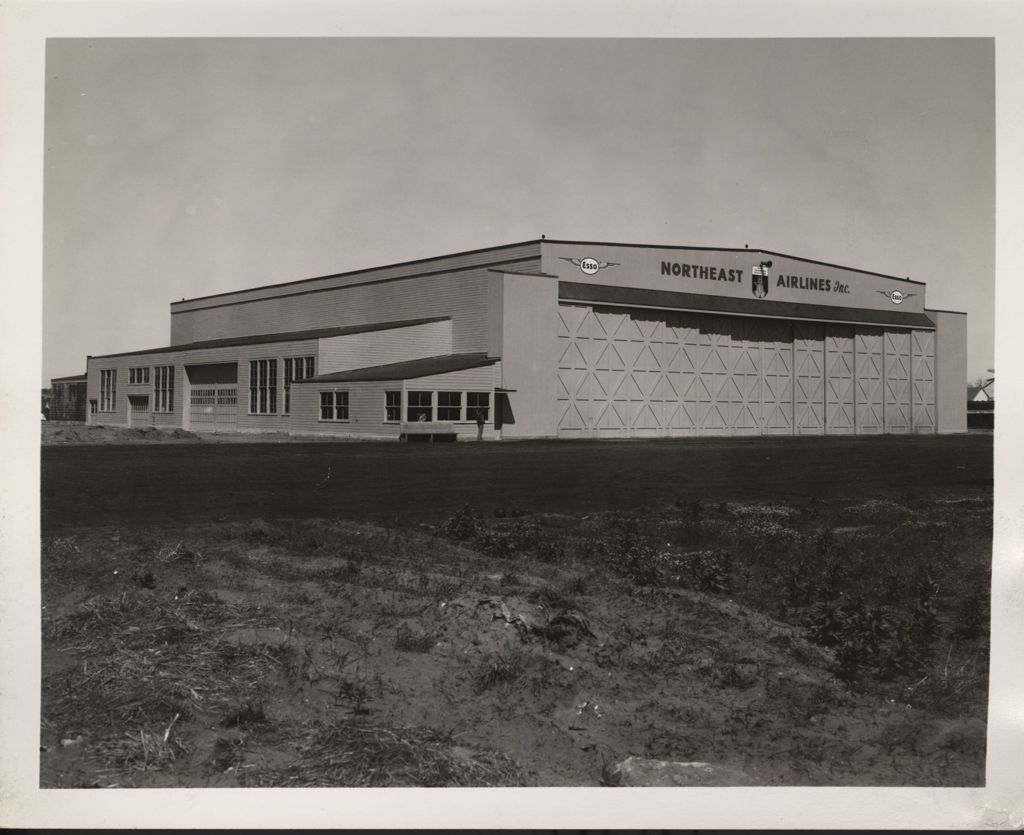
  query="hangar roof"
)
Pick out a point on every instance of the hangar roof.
point(289, 336)
point(406, 370)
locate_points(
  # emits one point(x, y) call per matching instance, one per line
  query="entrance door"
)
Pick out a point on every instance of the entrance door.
point(138, 410)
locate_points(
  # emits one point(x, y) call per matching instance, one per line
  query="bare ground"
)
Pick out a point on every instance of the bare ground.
point(812, 643)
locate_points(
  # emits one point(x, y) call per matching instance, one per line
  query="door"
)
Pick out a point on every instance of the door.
point(213, 397)
point(139, 413)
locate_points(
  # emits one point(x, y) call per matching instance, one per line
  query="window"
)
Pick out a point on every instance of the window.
point(138, 376)
point(421, 406)
point(477, 401)
point(449, 405)
point(263, 387)
point(295, 368)
point(392, 405)
point(108, 390)
point(334, 405)
point(163, 388)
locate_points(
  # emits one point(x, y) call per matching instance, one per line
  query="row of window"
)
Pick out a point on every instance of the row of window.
point(420, 406)
point(263, 382)
point(163, 387)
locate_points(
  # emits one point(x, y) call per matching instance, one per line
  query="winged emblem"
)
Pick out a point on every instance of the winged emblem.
point(896, 296)
point(589, 265)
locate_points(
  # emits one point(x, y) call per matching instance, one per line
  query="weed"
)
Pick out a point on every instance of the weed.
point(498, 669)
point(409, 640)
point(463, 525)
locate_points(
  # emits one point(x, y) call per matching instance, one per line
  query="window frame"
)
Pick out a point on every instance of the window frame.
point(396, 406)
point(472, 410)
point(409, 406)
point(108, 390)
point(335, 406)
point(448, 407)
point(138, 375)
point(307, 362)
point(263, 386)
point(163, 389)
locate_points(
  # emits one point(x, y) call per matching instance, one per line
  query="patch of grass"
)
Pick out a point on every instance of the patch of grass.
point(355, 754)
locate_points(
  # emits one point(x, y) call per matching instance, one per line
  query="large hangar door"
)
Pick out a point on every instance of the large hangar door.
point(213, 397)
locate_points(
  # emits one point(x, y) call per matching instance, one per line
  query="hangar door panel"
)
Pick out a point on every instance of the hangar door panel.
point(897, 381)
point(683, 353)
point(777, 378)
point(868, 380)
point(840, 400)
point(743, 387)
point(712, 383)
point(809, 379)
point(923, 388)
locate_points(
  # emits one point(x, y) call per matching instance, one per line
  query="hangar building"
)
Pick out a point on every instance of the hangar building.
point(551, 338)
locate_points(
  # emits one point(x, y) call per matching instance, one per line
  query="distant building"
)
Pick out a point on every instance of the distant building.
point(554, 339)
point(67, 398)
point(985, 393)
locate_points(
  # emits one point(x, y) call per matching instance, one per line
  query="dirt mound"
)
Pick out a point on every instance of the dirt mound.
point(59, 434)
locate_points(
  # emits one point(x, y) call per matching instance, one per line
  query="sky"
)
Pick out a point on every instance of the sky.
point(183, 167)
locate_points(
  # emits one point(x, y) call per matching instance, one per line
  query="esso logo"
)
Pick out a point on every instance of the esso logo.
point(589, 266)
point(896, 297)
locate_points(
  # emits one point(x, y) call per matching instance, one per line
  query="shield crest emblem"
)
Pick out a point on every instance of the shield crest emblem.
point(759, 281)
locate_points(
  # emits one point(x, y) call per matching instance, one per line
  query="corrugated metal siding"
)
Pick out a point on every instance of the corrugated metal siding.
point(360, 350)
point(462, 295)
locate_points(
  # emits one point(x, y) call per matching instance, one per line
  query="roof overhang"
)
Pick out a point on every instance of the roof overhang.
point(405, 370)
point(614, 296)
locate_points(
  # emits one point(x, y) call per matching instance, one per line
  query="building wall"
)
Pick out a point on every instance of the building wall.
point(180, 415)
point(529, 351)
point(367, 404)
point(455, 286)
point(626, 372)
point(950, 369)
point(360, 350)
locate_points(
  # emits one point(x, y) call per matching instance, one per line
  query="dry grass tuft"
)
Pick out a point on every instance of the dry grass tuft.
point(350, 753)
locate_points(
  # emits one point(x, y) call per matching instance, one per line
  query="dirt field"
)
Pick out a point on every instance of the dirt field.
point(838, 639)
